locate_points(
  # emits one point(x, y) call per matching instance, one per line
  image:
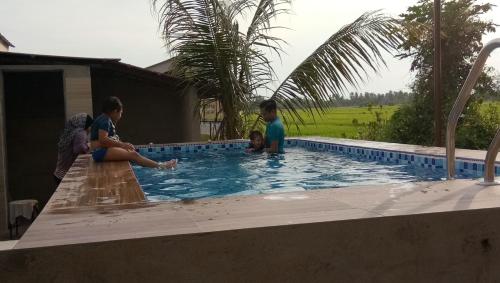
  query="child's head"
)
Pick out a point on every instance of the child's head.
point(113, 107)
point(268, 110)
point(256, 139)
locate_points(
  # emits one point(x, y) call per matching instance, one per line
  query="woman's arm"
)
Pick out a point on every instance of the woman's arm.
point(80, 144)
point(105, 141)
point(273, 148)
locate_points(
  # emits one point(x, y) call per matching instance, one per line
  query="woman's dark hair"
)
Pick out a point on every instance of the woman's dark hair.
point(268, 105)
point(111, 103)
point(255, 134)
point(88, 122)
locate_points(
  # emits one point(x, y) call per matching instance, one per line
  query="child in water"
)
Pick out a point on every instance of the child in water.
point(256, 142)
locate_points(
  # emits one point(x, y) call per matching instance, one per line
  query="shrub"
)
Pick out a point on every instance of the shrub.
point(477, 128)
point(412, 123)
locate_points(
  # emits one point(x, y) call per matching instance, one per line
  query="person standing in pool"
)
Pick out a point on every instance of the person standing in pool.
point(105, 143)
point(275, 132)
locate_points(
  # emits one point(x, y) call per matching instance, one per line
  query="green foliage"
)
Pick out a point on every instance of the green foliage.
point(411, 123)
point(366, 98)
point(475, 130)
point(374, 129)
point(342, 60)
point(477, 127)
point(230, 66)
point(353, 122)
point(462, 31)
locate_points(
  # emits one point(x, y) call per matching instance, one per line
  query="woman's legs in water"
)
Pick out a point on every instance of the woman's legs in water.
point(120, 154)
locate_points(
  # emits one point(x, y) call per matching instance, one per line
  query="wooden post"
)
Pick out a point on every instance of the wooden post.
point(438, 94)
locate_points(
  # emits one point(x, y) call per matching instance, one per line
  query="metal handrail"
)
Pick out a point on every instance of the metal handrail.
point(458, 108)
point(489, 162)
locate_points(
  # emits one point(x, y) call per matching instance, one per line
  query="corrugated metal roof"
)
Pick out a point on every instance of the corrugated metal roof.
point(14, 58)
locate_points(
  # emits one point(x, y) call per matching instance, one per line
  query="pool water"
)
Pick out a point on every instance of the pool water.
point(217, 174)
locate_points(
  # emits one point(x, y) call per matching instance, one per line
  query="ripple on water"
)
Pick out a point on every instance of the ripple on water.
point(225, 173)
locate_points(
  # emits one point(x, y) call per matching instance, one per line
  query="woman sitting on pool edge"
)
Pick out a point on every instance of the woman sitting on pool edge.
point(105, 143)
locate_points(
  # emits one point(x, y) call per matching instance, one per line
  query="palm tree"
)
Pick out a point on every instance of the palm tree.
point(231, 67)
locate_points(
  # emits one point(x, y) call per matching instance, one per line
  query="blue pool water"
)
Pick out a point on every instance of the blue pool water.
point(216, 174)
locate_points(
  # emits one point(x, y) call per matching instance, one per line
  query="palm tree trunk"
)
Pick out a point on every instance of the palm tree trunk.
point(231, 120)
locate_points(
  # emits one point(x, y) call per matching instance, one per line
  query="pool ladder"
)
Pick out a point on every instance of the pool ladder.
point(456, 111)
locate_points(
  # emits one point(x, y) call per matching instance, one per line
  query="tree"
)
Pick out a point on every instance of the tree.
point(462, 30)
point(232, 66)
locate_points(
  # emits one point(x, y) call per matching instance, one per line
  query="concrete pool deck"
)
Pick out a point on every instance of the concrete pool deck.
point(139, 220)
point(446, 230)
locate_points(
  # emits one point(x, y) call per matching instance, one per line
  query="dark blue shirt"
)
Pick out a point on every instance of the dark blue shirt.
point(103, 122)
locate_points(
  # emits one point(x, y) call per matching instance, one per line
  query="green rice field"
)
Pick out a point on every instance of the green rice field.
point(338, 121)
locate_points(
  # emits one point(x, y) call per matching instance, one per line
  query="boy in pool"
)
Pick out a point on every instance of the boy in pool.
point(105, 143)
point(256, 142)
point(275, 132)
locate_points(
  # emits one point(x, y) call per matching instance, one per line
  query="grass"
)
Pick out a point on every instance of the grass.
point(338, 121)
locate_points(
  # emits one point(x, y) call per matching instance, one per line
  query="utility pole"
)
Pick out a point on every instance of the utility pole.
point(438, 94)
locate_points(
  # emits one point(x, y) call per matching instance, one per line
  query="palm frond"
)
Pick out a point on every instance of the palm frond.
point(342, 61)
point(230, 67)
point(239, 8)
point(260, 26)
point(257, 70)
point(209, 51)
point(266, 10)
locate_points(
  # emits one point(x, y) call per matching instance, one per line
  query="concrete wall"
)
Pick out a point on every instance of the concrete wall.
point(78, 98)
point(77, 85)
point(154, 111)
point(460, 246)
point(3, 47)
point(77, 90)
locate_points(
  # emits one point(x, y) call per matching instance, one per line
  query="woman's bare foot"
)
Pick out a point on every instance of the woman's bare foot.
point(168, 164)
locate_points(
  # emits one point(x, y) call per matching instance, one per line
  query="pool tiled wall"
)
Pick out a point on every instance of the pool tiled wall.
point(159, 150)
point(466, 166)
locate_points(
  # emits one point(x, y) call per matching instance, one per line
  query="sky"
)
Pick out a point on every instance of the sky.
point(128, 29)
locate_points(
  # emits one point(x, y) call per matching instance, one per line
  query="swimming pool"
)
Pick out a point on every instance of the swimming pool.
point(224, 169)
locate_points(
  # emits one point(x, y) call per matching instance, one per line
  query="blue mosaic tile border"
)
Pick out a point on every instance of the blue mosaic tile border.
point(467, 166)
point(156, 150)
point(462, 165)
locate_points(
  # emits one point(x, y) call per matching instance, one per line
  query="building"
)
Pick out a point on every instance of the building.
point(39, 92)
point(164, 67)
point(210, 110)
point(5, 44)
